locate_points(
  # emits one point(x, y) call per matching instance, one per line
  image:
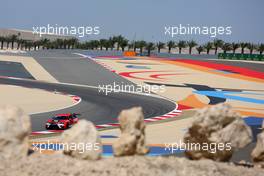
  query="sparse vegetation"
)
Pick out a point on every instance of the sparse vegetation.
point(120, 42)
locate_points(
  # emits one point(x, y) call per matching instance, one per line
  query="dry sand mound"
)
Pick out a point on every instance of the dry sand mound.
point(60, 165)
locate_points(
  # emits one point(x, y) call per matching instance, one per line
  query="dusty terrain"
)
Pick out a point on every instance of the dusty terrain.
point(33, 100)
point(58, 164)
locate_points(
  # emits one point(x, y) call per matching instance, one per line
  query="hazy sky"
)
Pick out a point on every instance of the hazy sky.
point(140, 19)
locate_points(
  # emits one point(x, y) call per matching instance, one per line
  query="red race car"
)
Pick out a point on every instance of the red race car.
point(62, 121)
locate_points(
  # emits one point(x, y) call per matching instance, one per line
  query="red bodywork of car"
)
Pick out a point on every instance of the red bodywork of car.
point(62, 121)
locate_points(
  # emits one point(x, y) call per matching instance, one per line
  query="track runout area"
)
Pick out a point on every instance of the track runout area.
point(95, 106)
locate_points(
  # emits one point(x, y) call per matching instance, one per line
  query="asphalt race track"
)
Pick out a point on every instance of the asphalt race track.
point(96, 107)
point(71, 68)
point(14, 69)
point(249, 65)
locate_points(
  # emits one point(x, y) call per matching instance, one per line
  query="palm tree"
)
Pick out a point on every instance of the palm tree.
point(22, 43)
point(65, 43)
point(251, 47)
point(8, 40)
point(200, 49)
point(45, 43)
point(102, 43)
point(131, 45)
point(171, 44)
point(115, 40)
point(72, 43)
point(208, 46)
point(243, 45)
point(226, 47)
point(38, 44)
point(87, 45)
point(141, 45)
point(217, 44)
point(25, 44)
point(107, 44)
point(80, 45)
point(181, 44)
point(2, 39)
point(123, 44)
point(160, 46)
point(136, 45)
point(149, 47)
point(19, 43)
point(111, 43)
point(59, 43)
point(234, 47)
point(13, 39)
point(48, 45)
point(35, 45)
point(28, 44)
point(260, 48)
point(56, 43)
point(118, 39)
point(94, 44)
point(191, 44)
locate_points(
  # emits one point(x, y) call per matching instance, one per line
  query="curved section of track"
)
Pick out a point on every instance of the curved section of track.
point(95, 106)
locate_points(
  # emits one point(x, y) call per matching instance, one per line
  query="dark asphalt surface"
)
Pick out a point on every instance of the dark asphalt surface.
point(14, 69)
point(253, 66)
point(96, 107)
point(212, 58)
point(66, 53)
point(70, 68)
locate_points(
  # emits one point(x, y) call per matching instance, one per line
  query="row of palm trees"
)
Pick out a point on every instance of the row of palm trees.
point(22, 44)
point(121, 43)
point(215, 45)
